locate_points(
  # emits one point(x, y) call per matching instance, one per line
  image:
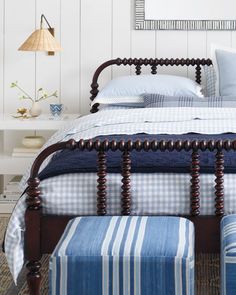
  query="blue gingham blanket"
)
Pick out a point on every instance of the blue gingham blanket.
point(77, 161)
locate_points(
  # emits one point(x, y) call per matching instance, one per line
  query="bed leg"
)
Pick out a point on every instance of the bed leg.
point(32, 235)
point(34, 277)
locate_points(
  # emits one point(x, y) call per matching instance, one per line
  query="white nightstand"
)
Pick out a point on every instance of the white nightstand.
point(12, 131)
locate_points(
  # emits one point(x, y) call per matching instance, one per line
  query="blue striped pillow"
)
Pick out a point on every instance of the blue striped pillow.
point(153, 100)
point(210, 77)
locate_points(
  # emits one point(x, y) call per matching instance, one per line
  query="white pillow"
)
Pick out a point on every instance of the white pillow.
point(119, 100)
point(128, 89)
point(224, 61)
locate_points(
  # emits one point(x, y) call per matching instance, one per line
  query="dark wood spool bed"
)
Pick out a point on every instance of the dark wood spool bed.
point(44, 231)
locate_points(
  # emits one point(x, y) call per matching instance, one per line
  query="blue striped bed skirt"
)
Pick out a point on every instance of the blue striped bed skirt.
point(228, 255)
point(124, 256)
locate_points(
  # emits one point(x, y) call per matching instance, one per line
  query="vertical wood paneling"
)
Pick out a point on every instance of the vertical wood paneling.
point(121, 34)
point(90, 33)
point(233, 39)
point(48, 67)
point(70, 56)
point(172, 44)
point(218, 37)
point(2, 19)
point(143, 44)
point(96, 45)
point(19, 65)
point(197, 44)
point(197, 48)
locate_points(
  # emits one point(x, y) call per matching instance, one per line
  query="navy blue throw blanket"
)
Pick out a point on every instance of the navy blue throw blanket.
point(77, 161)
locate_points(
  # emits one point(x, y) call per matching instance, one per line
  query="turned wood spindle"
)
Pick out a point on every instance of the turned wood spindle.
point(34, 277)
point(138, 70)
point(94, 91)
point(219, 180)
point(195, 184)
point(33, 202)
point(33, 199)
point(198, 74)
point(126, 184)
point(94, 108)
point(153, 69)
point(101, 187)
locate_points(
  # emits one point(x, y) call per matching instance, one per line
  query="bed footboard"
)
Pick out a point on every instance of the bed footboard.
point(206, 229)
point(43, 232)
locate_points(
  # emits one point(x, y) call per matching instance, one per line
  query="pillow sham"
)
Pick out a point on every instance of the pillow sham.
point(133, 101)
point(224, 61)
point(128, 89)
point(210, 81)
point(162, 101)
point(108, 107)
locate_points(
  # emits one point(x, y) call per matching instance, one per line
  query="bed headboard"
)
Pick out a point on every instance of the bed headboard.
point(153, 63)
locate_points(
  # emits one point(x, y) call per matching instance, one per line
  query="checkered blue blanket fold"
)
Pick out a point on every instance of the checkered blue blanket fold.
point(162, 101)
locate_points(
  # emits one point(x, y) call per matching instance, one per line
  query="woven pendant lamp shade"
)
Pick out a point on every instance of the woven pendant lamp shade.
point(41, 40)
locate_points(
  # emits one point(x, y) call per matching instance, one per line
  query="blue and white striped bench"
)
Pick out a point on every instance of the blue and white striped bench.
point(124, 256)
point(228, 255)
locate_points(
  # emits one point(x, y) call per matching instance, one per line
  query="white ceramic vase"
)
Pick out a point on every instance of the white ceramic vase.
point(35, 110)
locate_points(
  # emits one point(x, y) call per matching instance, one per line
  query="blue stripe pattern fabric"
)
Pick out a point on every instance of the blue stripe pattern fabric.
point(155, 100)
point(124, 255)
point(228, 255)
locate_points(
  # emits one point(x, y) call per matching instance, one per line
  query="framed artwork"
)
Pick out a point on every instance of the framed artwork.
point(185, 14)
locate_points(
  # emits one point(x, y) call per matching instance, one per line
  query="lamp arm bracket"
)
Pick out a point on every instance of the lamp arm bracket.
point(41, 22)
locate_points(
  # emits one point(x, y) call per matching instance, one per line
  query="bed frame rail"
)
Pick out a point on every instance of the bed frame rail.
point(126, 147)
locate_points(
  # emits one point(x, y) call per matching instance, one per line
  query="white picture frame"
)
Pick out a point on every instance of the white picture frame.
point(196, 15)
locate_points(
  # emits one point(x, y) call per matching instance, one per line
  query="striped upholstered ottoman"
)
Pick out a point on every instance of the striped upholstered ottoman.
point(228, 255)
point(124, 256)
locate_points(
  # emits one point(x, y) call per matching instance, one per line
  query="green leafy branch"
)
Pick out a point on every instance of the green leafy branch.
point(40, 94)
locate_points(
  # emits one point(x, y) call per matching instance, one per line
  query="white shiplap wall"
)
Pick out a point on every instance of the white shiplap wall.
point(90, 32)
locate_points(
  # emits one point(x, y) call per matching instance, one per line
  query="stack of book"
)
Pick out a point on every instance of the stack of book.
point(24, 152)
point(11, 191)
